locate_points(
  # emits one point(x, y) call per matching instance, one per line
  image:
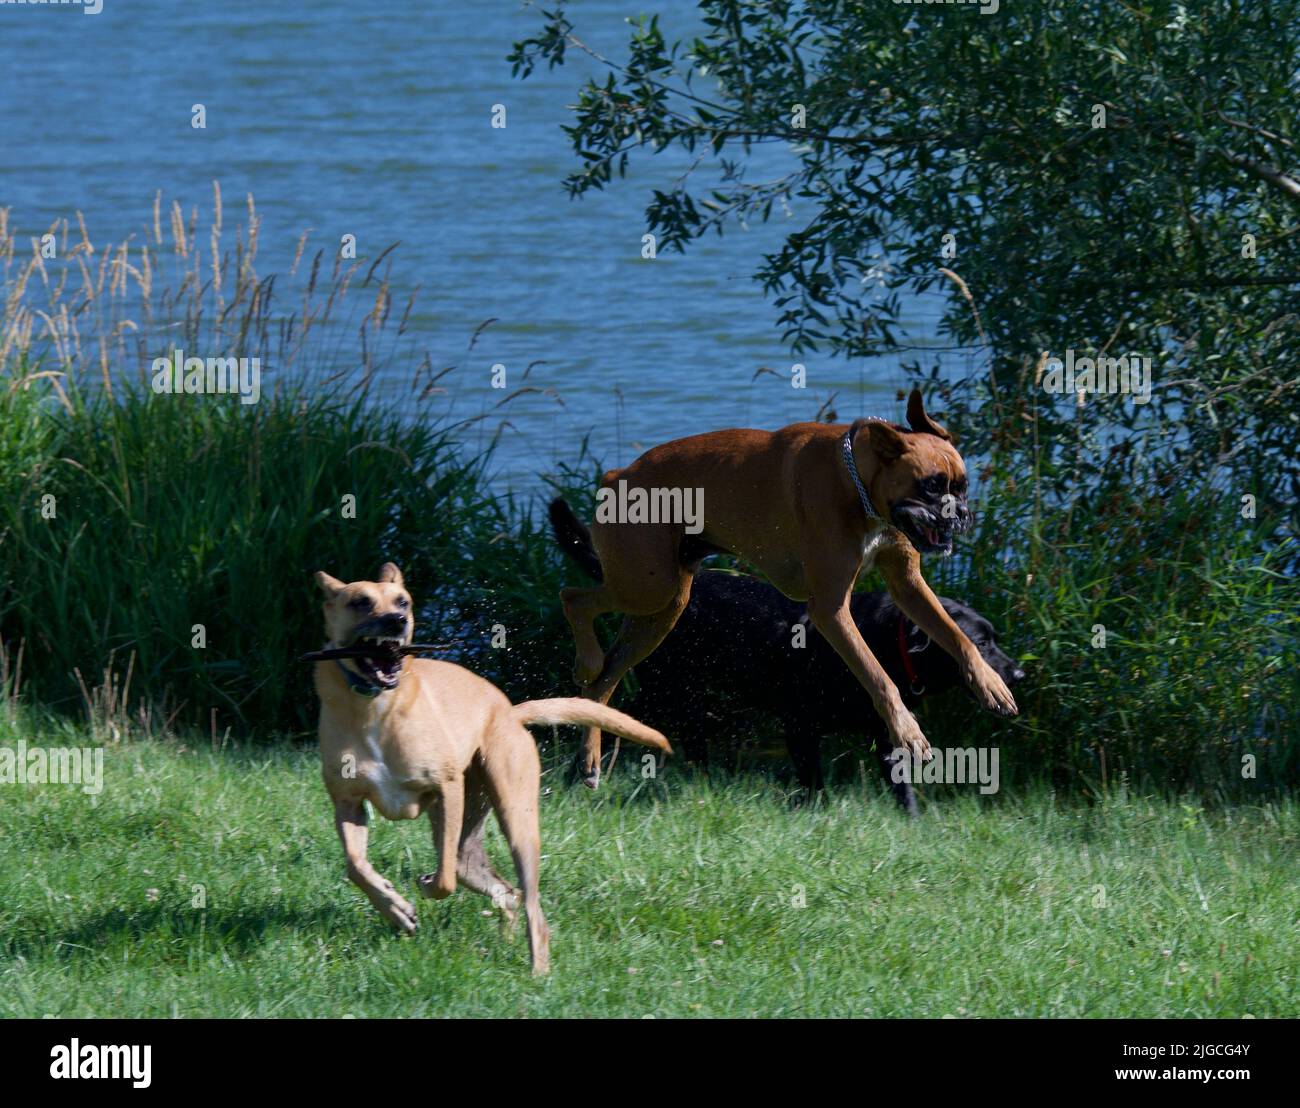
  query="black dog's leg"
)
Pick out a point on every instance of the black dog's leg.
point(806, 754)
point(695, 749)
point(888, 757)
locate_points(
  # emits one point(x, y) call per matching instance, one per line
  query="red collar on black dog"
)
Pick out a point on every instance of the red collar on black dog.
point(918, 689)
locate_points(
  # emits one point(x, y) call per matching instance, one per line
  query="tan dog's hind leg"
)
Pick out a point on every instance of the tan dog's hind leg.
point(637, 638)
point(476, 872)
point(446, 815)
point(474, 868)
point(901, 568)
point(514, 776)
point(352, 823)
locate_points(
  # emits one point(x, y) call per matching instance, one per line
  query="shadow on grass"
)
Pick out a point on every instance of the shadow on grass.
point(239, 929)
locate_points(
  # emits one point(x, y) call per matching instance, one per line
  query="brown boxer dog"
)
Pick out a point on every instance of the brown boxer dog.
point(808, 506)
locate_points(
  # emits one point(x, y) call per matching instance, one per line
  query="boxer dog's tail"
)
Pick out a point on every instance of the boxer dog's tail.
point(574, 539)
point(588, 713)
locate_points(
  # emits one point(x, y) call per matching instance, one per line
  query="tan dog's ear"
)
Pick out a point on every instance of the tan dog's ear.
point(886, 440)
point(390, 574)
point(919, 421)
point(330, 586)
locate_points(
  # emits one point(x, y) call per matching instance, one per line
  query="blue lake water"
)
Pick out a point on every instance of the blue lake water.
point(374, 119)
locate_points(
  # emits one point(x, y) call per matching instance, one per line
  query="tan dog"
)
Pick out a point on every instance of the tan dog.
point(412, 736)
point(809, 506)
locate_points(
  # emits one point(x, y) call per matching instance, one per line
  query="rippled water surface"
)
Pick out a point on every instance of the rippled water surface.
point(374, 119)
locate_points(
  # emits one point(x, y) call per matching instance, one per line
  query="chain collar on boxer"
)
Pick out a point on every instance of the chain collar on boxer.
point(847, 444)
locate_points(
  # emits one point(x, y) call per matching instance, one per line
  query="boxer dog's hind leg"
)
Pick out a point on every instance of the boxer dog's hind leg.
point(581, 607)
point(637, 638)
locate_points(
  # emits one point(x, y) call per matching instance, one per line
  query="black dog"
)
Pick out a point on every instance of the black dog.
point(743, 638)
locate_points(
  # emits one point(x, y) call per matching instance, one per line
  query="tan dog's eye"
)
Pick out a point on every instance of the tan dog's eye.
point(361, 603)
point(403, 602)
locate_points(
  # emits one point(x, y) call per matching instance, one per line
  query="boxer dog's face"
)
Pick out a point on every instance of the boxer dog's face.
point(930, 506)
point(916, 478)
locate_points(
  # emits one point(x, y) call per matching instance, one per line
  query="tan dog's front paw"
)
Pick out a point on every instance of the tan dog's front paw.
point(507, 902)
point(398, 912)
point(991, 691)
point(906, 733)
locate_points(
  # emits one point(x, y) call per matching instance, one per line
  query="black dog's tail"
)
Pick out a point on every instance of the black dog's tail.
point(574, 538)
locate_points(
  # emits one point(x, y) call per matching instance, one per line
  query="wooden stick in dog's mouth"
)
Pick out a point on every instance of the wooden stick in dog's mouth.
point(373, 652)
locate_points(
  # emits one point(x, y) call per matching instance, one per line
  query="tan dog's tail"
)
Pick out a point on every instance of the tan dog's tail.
point(588, 713)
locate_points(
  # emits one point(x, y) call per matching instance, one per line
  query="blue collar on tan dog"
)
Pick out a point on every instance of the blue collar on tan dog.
point(357, 683)
point(847, 443)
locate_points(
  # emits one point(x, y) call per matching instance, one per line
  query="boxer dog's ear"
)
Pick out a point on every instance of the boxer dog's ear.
point(388, 572)
point(886, 440)
point(919, 421)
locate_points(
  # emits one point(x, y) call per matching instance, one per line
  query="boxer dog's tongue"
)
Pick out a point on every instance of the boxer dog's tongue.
point(928, 533)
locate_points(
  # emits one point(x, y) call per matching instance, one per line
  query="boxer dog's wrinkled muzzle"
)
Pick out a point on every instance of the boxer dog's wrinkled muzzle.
point(932, 516)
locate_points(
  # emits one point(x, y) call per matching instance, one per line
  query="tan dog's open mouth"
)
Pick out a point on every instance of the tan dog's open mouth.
point(381, 662)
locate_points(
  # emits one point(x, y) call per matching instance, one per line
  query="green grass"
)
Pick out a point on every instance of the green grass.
point(673, 897)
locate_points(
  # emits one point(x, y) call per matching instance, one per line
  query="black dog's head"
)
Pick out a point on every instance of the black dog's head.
point(936, 671)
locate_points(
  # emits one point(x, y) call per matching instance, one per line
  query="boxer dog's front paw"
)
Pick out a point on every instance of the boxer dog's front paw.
point(906, 735)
